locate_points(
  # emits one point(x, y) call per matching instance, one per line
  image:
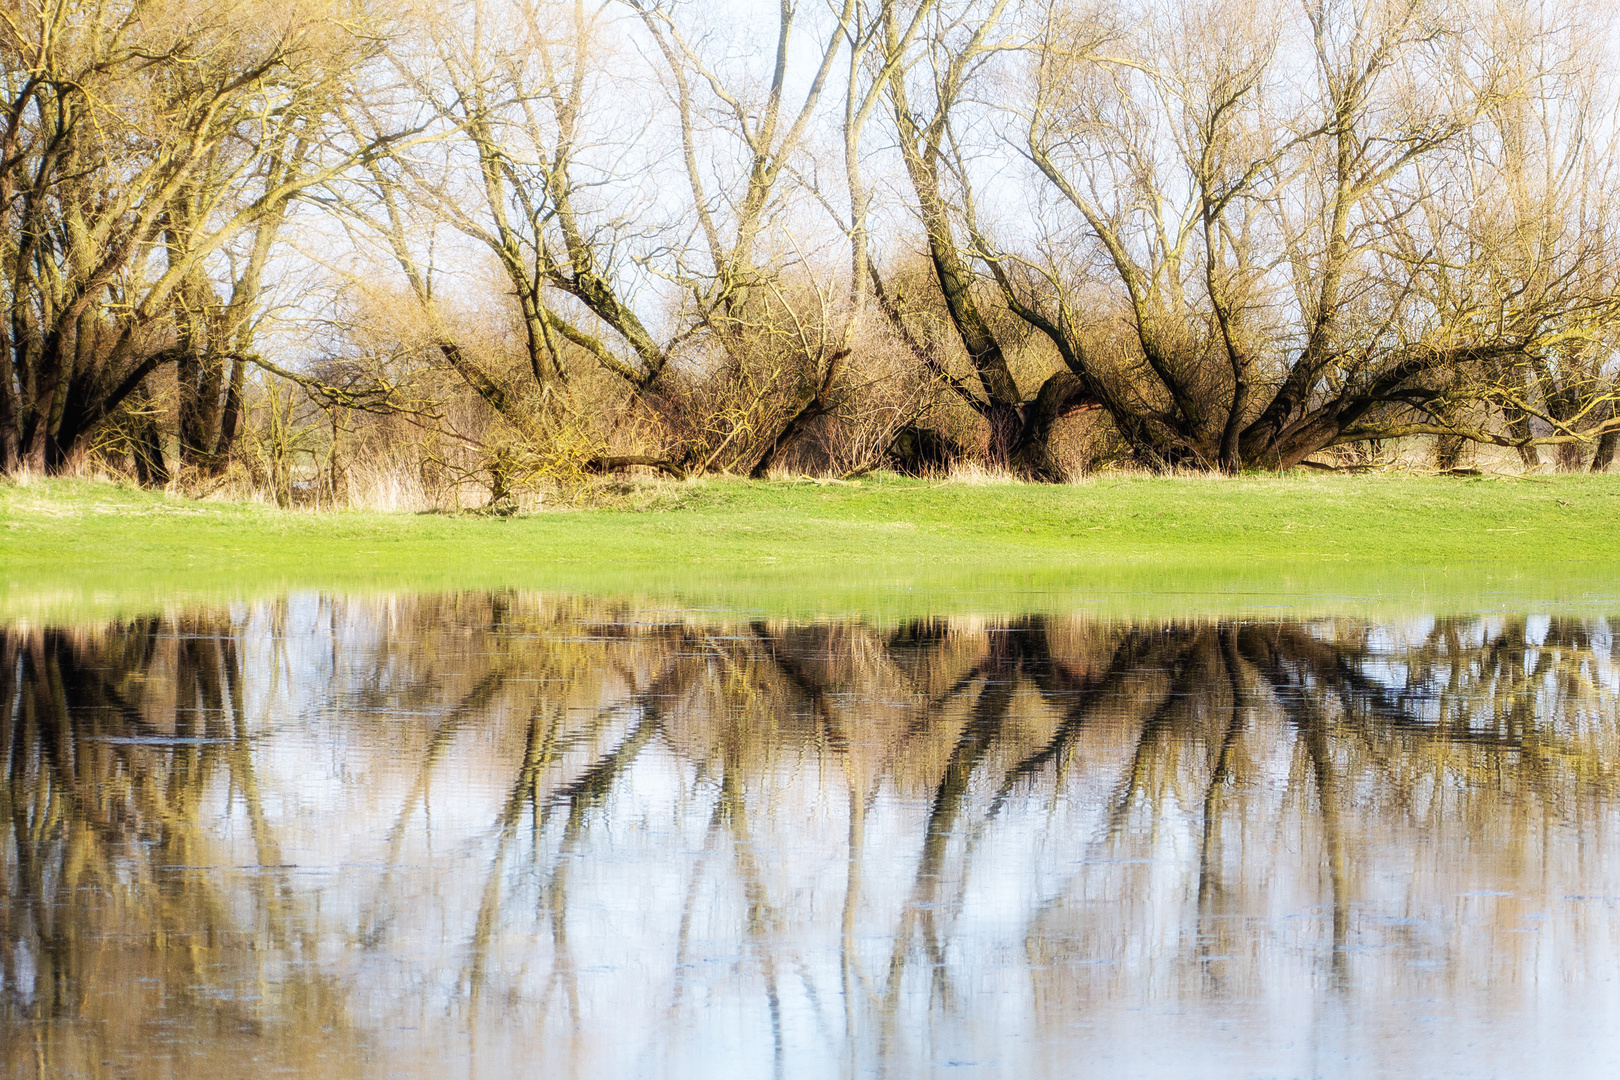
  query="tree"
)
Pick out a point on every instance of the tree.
point(1267, 244)
point(1525, 227)
point(140, 142)
point(958, 46)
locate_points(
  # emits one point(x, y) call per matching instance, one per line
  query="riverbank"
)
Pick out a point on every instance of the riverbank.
point(1166, 535)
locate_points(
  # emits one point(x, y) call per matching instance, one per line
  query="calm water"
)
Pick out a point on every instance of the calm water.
point(549, 836)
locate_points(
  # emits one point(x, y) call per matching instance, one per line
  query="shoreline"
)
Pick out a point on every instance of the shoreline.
point(1145, 545)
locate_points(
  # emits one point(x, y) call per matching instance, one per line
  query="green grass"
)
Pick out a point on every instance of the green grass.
point(884, 547)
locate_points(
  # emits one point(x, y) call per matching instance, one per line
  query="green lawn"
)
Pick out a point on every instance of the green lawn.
point(885, 545)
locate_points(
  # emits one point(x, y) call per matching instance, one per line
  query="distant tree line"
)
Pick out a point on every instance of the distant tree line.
point(536, 240)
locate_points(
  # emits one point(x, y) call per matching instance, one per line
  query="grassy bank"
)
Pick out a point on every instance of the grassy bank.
point(782, 546)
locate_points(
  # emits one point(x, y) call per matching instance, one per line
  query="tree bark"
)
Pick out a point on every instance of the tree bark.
point(1062, 394)
point(1603, 457)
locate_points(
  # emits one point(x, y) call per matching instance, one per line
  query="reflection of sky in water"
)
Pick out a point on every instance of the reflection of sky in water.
point(485, 835)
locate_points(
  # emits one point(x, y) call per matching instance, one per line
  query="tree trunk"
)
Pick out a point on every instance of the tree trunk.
point(201, 380)
point(8, 418)
point(784, 438)
point(230, 421)
point(150, 468)
point(1448, 451)
point(1062, 394)
point(1604, 456)
point(1519, 428)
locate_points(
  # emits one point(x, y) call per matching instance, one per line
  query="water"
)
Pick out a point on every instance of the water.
point(494, 835)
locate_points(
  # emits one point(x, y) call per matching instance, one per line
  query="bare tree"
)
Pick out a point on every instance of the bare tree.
point(1524, 230)
point(927, 95)
point(140, 142)
point(1264, 242)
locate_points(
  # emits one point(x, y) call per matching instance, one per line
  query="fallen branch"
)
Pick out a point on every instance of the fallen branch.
point(612, 463)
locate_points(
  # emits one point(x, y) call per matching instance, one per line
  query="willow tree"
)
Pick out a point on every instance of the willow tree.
point(1526, 235)
point(141, 142)
point(506, 90)
point(1254, 192)
point(928, 94)
point(626, 229)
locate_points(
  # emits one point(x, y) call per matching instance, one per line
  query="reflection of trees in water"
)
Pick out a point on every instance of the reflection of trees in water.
point(115, 741)
point(1191, 779)
point(1458, 756)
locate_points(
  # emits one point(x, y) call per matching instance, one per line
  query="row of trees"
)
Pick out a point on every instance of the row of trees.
point(561, 237)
